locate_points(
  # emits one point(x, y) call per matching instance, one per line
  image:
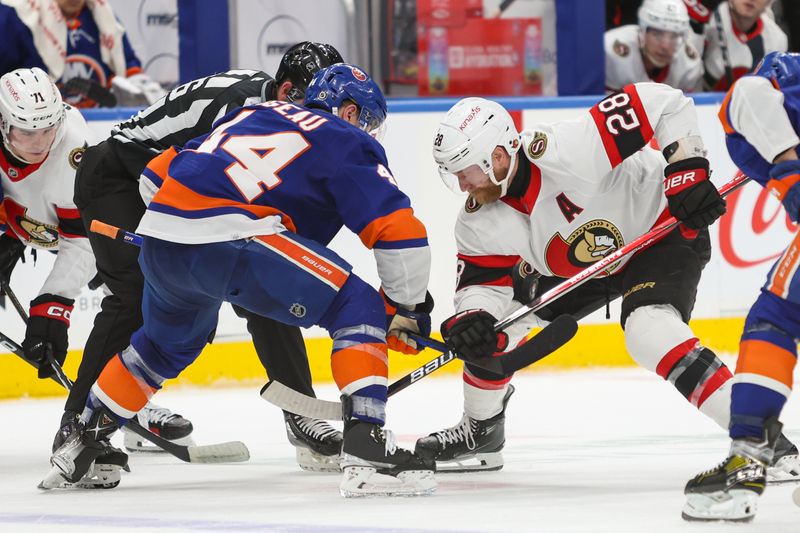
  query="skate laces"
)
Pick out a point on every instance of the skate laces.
point(464, 430)
point(159, 415)
point(390, 443)
point(317, 429)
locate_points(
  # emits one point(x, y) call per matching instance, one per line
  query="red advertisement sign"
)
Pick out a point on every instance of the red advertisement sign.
point(461, 53)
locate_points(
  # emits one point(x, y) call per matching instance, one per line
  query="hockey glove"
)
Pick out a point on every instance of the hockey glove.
point(401, 319)
point(692, 198)
point(471, 335)
point(525, 281)
point(785, 184)
point(11, 250)
point(47, 331)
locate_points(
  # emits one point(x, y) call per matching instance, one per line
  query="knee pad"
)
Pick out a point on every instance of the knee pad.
point(652, 331)
point(356, 304)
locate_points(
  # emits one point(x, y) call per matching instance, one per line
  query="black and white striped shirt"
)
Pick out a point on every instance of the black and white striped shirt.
point(186, 112)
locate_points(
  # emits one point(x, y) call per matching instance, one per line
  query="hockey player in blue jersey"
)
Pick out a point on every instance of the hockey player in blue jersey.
point(244, 215)
point(761, 119)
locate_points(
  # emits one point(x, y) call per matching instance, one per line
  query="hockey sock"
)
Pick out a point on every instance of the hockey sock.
point(483, 398)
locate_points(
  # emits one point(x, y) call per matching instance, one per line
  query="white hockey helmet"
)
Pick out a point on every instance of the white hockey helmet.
point(665, 15)
point(468, 134)
point(29, 100)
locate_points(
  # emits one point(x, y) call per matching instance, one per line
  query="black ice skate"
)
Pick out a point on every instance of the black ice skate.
point(785, 465)
point(730, 491)
point(162, 422)
point(470, 445)
point(373, 465)
point(318, 445)
point(86, 459)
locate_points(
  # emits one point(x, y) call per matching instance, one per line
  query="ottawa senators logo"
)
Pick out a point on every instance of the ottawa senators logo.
point(538, 145)
point(691, 53)
point(38, 233)
point(471, 205)
point(75, 157)
point(621, 49)
point(585, 246)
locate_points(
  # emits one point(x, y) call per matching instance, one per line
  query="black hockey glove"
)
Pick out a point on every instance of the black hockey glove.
point(471, 335)
point(692, 198)
point(401, 319)
point(47, 331)
point(785, 185)
point(11, 250)
point(525, 281)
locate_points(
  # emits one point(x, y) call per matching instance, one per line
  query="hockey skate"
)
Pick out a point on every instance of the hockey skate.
point(318, 446)
point(373, 465)
point(730, 491)
point(160, 421)
point(87, 459)
point(785, 465)
point(471, 445)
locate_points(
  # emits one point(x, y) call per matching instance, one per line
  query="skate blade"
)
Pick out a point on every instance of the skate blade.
point(363, 482)
point(785, 470)
point(316, 462)
point(103, 476)
point(480, 462)
point(733, 506)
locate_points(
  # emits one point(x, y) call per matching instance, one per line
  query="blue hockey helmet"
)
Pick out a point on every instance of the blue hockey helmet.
point(782, 67)
point(332, 86)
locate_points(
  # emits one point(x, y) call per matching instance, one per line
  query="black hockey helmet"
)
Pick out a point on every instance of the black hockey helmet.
point(301, 62)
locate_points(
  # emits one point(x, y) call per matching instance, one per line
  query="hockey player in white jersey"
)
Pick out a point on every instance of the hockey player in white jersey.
point(43, 142)
point(655, 50)
point(734, 38)
point(561, 197)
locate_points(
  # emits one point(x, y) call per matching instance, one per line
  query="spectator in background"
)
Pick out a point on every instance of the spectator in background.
point(621, 12)
point(654, 50)
point(735, 37)
point(81, 45)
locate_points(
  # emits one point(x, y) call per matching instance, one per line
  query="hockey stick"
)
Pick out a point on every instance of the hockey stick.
point(553, 336)
point(113, 232)
point(293, 401)
point(226, 452)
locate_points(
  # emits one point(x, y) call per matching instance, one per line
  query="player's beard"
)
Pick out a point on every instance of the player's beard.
point(486, 195)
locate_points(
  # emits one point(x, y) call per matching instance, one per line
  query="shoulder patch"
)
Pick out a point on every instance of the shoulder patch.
point(75, 157)
point(538, 145)
point(621, 49)
point(471, 205)
point(691, 53)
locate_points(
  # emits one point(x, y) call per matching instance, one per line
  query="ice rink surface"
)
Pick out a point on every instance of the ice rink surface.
point(586, 451)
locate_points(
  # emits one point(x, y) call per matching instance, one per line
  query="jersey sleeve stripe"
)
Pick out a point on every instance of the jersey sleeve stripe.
point(724, 112)
point(329, 273)
point(605, 136)
point(398, 226)
point(645, 128)
point(401, 244)
point(70, 224)
point(490, 261)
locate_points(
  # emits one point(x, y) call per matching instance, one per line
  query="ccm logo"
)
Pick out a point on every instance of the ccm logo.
point(680, 181)
point(58, 312)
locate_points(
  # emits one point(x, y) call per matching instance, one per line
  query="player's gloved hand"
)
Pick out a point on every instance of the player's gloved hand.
point(11, 250)
point(471, 335)
point(784, 183)
point(401, 319)
point(47, 331)
point(692, 198)
point(525, 281)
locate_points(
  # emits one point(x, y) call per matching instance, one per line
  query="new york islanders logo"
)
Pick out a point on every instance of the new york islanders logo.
point(358, 74)
point(585, 246)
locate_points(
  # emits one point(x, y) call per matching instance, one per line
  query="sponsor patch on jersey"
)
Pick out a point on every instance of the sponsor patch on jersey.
point(621, 49)
point(538, 145)
point(471, 205)
point(75, 157)
point(585, 246)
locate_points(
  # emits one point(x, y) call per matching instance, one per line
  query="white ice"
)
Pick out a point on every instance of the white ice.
point(586, 451)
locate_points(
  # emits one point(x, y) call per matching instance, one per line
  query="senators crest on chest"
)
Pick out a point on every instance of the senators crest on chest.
point(591, 242)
